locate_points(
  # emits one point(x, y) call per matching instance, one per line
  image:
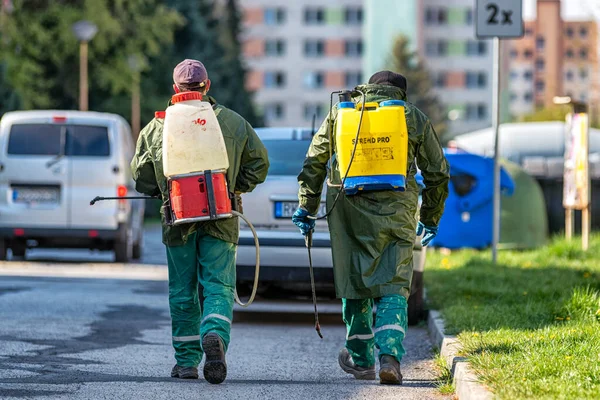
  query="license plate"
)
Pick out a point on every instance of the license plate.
point(285, 209)
point(36, 195)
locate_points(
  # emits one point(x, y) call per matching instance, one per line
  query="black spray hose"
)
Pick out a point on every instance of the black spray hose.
point(362, 112)
point(98, 198)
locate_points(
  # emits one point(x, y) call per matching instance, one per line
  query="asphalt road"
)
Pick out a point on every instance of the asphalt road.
point(90, 338)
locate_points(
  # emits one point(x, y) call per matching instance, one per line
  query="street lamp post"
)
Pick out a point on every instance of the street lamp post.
point(84, 31)
point(136, 64)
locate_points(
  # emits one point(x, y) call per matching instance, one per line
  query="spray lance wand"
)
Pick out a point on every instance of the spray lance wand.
point(308, 239)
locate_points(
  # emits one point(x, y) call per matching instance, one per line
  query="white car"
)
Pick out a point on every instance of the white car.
point(52, 164)
point(284, 257)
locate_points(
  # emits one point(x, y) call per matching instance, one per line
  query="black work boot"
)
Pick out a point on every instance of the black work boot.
point(215, 367)
point(184, 372)
point(348, 365)
point(389, 371)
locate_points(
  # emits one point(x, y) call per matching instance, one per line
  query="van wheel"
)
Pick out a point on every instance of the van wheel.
point(124, 244)
point(416, 302)
point(2, 249)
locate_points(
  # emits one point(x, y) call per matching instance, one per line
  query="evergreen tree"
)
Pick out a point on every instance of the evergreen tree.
point(238, 97)
point(9, 100)
point(420, 87)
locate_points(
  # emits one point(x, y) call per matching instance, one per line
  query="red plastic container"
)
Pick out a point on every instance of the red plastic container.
point(190, 197)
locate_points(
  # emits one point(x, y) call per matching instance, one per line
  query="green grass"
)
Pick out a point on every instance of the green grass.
point(443, 383)
point(530, 325)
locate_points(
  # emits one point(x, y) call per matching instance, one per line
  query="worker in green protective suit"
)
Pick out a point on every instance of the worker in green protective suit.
point(373, 233)
point(201, 253)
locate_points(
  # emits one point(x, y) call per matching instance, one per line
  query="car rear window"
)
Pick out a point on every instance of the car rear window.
point(90, 141)
point(286, 156)
point(34, 140)
point(45, 140)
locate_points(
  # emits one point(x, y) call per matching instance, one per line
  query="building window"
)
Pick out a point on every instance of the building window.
point(353, 78)
point(540, 86)
point(469, 16)
point(353, 15)
point(470, 112)
point(471, 80)
point(540, 43)
point(314, 16)
point(514, 53)
point(583, 32)
point(569, 75)
point(481, 80)
point(583, 97)
point(482, 48)
point(274, 111)
point(583, 53)
point(570, 94)
point(314, 79)
point(528, 75)
point(528, 97)
point(539, 65)
point(583, 74)
point(441, 80)
point(353, 48)
point(528, 32)
point(514, 75)
point(570, 53)
point(442, 48)
point(570, 32)
point(513, 96)
point(431, 48)
point(274, 47)
point(528, 53)
point(442, 17)
point(274, 16)
point(482, 111)
point(314, 109)
point(429, 16)
point(274, 79)
point(314, 48)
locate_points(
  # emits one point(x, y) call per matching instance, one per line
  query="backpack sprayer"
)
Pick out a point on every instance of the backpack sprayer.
point(195, 163)
point(373, 156)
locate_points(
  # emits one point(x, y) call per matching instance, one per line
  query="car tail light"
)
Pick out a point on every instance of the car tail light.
point(59, 120)
point(121, 191)
point(93, 234)
point(19, 232)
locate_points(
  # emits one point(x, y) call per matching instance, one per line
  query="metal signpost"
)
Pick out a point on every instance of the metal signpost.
point(498, 19)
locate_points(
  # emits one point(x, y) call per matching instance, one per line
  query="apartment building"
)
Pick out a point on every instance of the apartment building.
point(298, 52)
point(443, 33)
point(555, 58)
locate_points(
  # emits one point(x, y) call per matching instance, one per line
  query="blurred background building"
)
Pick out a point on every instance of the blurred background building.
point(557, 57)
point(299, 52)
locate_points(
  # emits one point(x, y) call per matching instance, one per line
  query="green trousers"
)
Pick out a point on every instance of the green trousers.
point(209, 263)
point(391, 323)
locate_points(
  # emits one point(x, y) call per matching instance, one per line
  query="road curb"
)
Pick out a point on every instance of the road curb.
point(465, 381)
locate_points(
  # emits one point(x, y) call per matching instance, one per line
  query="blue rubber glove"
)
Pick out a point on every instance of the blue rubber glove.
point(300, 218)
point(430, 233)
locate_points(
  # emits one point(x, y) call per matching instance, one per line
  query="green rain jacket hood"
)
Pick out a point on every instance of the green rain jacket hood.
point(373, 233)
point(248, 167)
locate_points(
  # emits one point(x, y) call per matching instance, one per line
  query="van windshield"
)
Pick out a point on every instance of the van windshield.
point(46, 139)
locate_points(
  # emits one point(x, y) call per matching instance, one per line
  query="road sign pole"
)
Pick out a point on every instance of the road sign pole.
point(496, 126)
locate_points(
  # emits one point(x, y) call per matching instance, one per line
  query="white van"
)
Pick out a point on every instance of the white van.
point(52, 164)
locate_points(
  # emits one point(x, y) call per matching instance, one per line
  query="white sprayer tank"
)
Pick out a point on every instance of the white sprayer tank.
point(192, 137)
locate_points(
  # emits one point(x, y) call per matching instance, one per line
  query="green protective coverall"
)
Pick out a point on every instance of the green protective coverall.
point(201, 253)
point(373, 233)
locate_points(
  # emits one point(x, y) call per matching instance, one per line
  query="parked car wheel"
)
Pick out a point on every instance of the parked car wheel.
point(2, 249)
point(124, 244)
point(136, 253)
point(18, 251)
